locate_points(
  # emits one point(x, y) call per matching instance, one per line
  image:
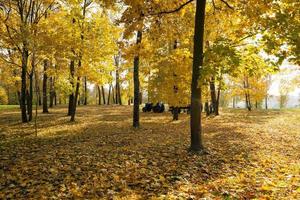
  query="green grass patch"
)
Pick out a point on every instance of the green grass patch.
point(8, 107)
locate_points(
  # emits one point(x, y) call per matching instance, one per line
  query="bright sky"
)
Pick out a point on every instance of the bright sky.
point(288, 72)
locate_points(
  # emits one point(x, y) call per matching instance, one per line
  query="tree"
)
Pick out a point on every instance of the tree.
point(19, 19)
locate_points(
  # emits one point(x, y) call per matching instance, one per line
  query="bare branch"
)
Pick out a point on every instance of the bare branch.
point(227, 4)
point(172, 11)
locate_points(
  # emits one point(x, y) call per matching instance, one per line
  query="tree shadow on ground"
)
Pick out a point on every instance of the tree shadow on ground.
point(101, 156)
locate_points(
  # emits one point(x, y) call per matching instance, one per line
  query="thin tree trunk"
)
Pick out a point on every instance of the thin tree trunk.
point(55, 98)
point(206, 107)
point(99, 95)
point(218, 101)
point(249, 103)
point(45, 78)
point(51, 92)
point(85, 91)
point(71, 97)
point(103, 95)
point(136, 104)
point(108, 96)
point(175, 90)
point(212, 87)
point(30, 92)
point(113, 95)
point(247, 95)
point(30, 97)
point(195, 121)
point(25, 55)
point(76, 95)
point(40, 98)
point(36, 103)
point(266, 102)
point(118, 89)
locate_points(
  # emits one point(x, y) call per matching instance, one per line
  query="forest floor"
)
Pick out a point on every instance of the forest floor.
point(251, 155)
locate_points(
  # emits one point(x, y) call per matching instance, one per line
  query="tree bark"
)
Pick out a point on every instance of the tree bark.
point(51, 92)
point(195, 121)
point(136, 103)
point(30, 92)
point(25, 56)
point(175, 90)
point(108, 96)
point(103, 95)
point(39, 96)
point(266, 102)
point(113, 95)
point(85, 91)
point(45, 78)
point(206, 108)
point(30, 96)
point(247, 95)
point(76, 95)
point(99, 95)
point(218, 101)
point(212, 87)
point(118, 89)
point(71, 97)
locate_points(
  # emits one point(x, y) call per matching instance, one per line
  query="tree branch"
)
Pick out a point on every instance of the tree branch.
point(173, 11)
point(227, 4)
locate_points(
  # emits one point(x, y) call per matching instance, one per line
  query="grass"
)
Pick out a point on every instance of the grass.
point(8, 107)
point(252, 155)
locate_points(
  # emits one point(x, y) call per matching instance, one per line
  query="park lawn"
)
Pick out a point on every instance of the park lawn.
point(251, 155)
point(8, 107)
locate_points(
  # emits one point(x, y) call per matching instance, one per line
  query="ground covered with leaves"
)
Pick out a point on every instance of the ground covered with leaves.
point(251, 155)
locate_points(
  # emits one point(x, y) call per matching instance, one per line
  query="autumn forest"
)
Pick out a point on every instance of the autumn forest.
point(149, 99)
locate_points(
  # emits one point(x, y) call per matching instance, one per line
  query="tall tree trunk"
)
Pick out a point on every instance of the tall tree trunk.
point(85, 91)
point(51, 92)
point(99, 95)
point(45, 78)
point(39, 96)
point(266, 102)
point(25, 56)
point(218, 101)
point(30, 92)
point(247, 95)
point(118, 89)
point(206, 108)
point(176, 109)
point(136, 104)
point(249, 103)
point(212, 87)
point(103, 95)
point(71, 96)
point(113, 95)
point(76, 95)
point(108, 96)
point(195, 122)
point(30, 96)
